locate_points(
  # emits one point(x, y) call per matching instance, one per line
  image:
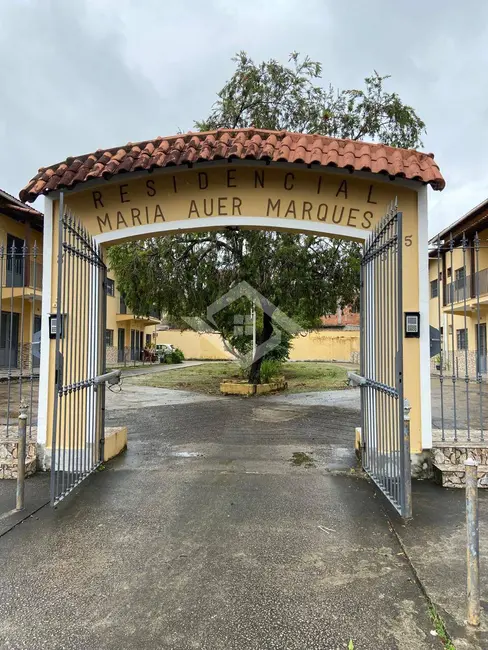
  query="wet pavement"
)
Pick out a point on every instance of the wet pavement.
point(435, 541)
point(205, 535)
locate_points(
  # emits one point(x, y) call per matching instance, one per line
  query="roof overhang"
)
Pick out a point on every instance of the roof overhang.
point(226, 145)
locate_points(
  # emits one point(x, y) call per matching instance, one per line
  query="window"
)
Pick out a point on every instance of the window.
point(434, 288)
point(110, 287)
point(462, 339)
point(148, 340)
point(109, 338)
point(15, 255)
point(449, 272)
point(460, 277)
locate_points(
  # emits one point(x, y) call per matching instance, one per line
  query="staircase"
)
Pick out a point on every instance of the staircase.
point(448, 462)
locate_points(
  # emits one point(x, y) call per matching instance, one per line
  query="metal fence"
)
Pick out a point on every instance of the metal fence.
point(79, 407)
point(20, 336)
point(386, 443)
point(459, 363)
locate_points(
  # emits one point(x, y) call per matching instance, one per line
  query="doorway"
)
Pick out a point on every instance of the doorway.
point(481, 349)
point(36, 342)
point(120, 344)
point(9, 340)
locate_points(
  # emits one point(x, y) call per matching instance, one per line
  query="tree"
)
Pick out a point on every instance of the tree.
point(275, 96)
point(304, 276)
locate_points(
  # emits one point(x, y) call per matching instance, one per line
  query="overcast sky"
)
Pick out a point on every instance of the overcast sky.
point(77, 76)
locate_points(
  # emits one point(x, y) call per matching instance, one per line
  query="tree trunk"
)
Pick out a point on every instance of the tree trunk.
point(254, 376)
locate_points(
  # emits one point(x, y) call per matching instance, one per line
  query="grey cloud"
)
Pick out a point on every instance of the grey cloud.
point(88, 74)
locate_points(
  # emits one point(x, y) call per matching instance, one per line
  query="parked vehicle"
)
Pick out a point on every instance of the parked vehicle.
point(163, 350)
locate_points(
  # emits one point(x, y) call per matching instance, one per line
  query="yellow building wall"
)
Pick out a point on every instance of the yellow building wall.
point(24, 301)
point(483, 250)
point(433, 302)
point(9, 226)
point(326, 345)
point(317, 345)
point(194, 345)
point(127, 322)
point(452, 320)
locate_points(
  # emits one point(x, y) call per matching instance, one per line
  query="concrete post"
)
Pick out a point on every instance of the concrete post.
point(473, 543)
point(21, 448)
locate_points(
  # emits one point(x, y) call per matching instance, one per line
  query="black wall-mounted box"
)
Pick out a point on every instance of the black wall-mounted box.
point(412, 324)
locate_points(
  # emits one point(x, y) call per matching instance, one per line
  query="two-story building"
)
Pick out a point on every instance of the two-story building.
point(21, 246)
point(20, 286)
point(458, 274)
point(126, 335)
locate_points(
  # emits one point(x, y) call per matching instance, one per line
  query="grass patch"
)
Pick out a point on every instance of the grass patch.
point(301, 377)
point(300, 458)
point(202, 379)
point(440, 628)
point(312, 376)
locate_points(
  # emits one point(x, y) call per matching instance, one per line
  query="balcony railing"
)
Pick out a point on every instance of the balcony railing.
point(476, 284)
point(123, 309)
point(22, 272)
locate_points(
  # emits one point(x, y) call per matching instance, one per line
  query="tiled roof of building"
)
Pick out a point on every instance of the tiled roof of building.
point(13, 202)
point(12, 207)
point(227, 144)
point(474, 220)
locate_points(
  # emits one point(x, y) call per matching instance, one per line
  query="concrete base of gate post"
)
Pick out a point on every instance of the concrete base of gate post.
point(9, 456)
point(43, 457)
point(357, 439)
point(421, 465)
point(115, 442)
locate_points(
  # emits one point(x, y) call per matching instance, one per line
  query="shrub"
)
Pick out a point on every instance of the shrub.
point(176, 356)
point(270, 369)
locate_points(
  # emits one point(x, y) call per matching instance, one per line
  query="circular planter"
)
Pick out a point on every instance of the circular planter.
point(246, 389)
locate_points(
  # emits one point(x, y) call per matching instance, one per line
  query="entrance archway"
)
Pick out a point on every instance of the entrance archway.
point(246, 178)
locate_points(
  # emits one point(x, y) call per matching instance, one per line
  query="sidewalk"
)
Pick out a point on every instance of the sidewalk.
point(36, 496)
point(435, 542)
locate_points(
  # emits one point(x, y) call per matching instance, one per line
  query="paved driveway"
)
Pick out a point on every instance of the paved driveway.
point(204, 535)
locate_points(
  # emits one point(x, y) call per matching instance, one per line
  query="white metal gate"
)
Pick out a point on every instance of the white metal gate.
point(79, 403)
point(385, 438)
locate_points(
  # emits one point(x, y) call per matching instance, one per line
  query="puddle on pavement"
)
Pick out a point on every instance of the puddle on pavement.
point(186, 454)
point(274, 413)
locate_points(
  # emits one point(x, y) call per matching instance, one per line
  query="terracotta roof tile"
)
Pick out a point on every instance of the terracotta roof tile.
point(12, 207)
point(254, 144)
